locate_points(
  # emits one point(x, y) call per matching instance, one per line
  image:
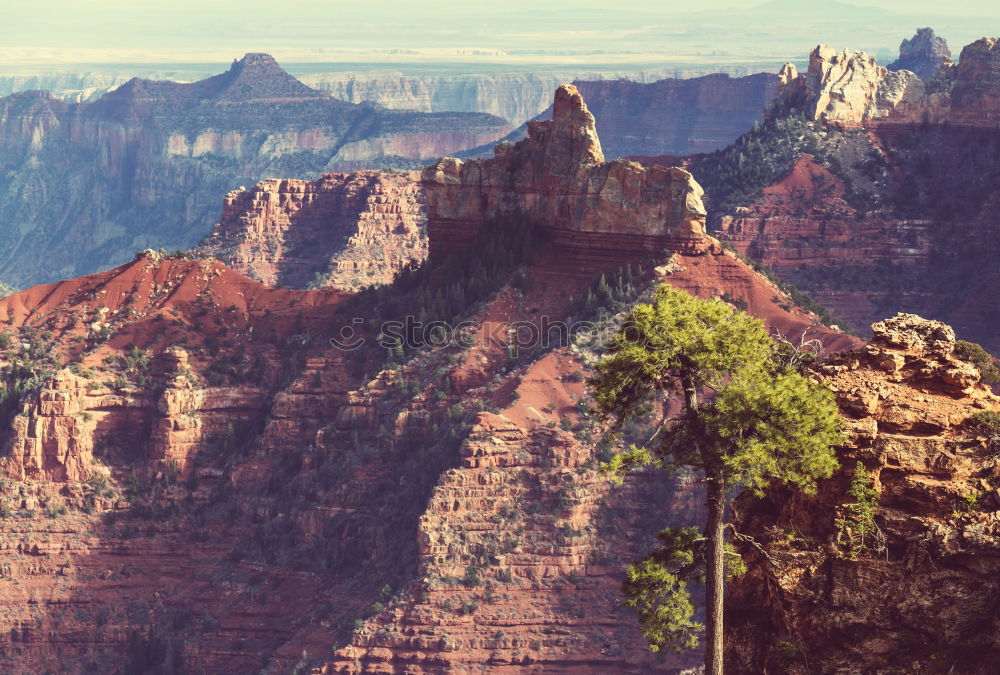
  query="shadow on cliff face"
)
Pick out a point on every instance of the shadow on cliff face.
point(260, 551)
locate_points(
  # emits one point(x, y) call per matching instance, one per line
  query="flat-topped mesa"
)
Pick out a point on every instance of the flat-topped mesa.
point(593, 210)
point(844, 87)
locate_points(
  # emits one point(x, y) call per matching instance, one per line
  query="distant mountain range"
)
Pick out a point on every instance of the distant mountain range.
point(146, 164)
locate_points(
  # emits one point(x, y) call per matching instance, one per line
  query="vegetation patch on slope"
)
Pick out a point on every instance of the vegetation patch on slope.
point(737, 175)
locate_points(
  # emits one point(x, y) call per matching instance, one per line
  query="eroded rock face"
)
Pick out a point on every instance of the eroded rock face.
point(346, 231)
point(925, 54)
point(558, 177)
point(548, 597)
point(923, 589)
point(849, 88)
point(846, 86)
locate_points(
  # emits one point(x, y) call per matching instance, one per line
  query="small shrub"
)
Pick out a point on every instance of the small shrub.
point(980, 358)
point(987, 425)
point(858, 524)
point(471, 578)
point(55, 508)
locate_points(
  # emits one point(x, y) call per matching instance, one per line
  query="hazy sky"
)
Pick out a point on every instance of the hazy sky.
point(207, 30)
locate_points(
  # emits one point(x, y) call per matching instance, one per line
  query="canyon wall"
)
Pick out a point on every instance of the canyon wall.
point(89, 184)
point(557, 177)
point(521, 96)
point(516, 97)
point(917, 592)
point(347, 231)
point(674, 116)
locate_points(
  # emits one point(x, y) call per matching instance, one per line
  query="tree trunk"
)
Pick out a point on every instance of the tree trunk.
point(715, 574)
point(715, 570)
point(690, 396)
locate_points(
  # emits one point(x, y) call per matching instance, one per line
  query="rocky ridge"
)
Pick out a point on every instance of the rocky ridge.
point(347, 231)
point(557, 176)
point(890, 214)
point(920, 589)
point(845, 86)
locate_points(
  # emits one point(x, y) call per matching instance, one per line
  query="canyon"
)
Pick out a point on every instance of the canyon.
point(201, 479)
point(144, 165)
point(216, 460)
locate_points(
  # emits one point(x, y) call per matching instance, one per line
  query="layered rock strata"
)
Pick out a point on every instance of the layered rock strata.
point(347, 231)
point(508, 588)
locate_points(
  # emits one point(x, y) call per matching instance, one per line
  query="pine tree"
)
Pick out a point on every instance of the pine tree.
point(765, 424)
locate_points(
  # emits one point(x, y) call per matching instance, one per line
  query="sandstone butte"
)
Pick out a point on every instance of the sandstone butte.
point(249, 497)
point(592, 209)
point(927, 242)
